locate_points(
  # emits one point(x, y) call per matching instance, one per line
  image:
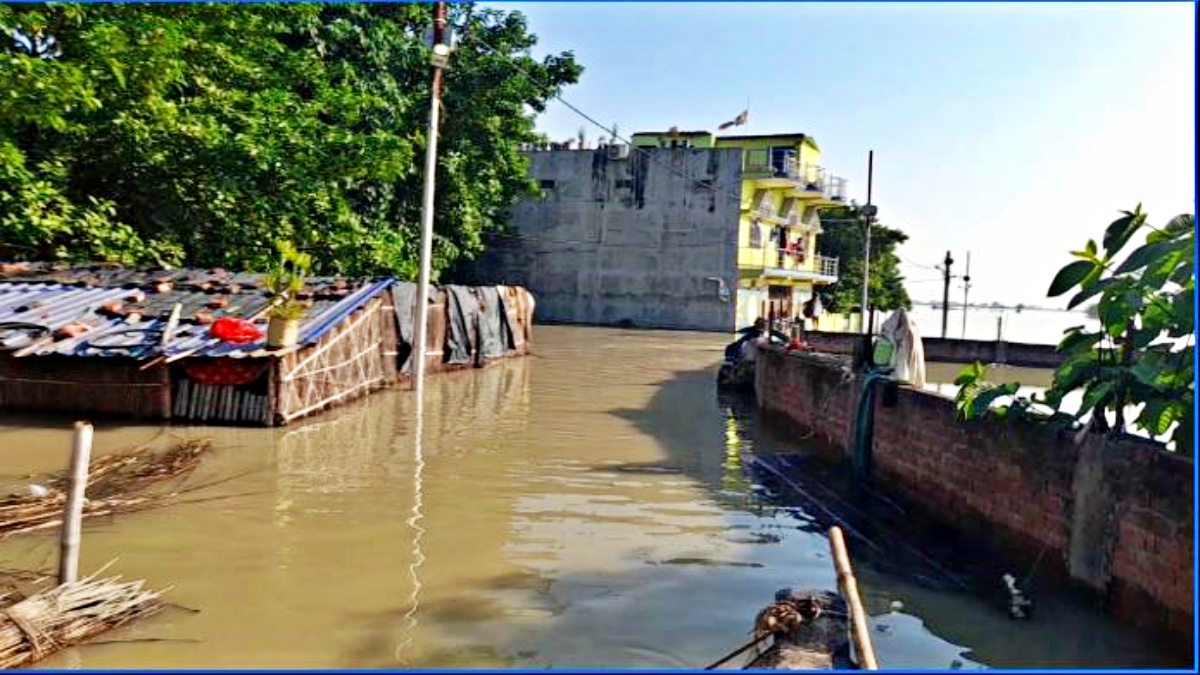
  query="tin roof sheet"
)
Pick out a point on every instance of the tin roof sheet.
point(37, 301)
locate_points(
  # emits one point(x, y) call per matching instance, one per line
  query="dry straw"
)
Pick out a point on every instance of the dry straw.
point(65, 615)
point(116, 483)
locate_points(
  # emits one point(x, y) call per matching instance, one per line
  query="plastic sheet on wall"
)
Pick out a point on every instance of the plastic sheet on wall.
point(403, 299)
point(510, 297)
point(494, 334)
point(462, 317)
point(404, 294)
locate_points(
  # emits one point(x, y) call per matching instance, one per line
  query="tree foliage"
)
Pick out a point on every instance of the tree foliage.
point(844, 239)
point(202, 134)
point(1141, 357)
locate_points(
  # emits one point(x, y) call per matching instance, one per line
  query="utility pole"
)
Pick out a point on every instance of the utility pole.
point(946, 291)
point(966, 292)
point(868, 213)
point(440, 56)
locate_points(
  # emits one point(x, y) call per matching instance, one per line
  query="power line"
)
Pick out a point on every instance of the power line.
point(702, 182)
point(915, 264)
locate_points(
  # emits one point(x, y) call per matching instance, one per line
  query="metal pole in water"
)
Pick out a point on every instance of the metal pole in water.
point(81, 453)
point(440, 52)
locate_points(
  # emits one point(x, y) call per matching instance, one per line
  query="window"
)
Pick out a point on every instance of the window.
point(782, 160)
point(756, 234)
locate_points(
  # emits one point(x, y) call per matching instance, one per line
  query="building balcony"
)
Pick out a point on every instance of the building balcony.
point(827, 267)
point(769, 265)
point(786, 171)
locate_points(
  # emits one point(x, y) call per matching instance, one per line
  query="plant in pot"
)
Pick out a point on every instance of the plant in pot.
point(285, 282)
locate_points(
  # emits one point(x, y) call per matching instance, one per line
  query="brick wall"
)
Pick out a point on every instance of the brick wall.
point(1114, 516)
point(951, 350)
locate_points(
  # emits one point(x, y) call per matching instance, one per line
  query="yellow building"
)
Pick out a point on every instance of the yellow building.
point(782, 190)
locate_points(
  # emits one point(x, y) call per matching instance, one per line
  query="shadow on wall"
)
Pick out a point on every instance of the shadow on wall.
point(954, 584)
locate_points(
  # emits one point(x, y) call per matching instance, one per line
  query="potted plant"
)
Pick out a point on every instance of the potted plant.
point(284, 283)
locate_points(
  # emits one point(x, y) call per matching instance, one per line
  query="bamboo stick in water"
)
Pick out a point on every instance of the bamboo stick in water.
point(81, 453)
point(849, 587)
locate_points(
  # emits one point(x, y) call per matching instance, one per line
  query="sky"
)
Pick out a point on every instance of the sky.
point(1013, 131)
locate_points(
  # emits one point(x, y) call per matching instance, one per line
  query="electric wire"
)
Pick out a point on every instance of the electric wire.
point(704, 183)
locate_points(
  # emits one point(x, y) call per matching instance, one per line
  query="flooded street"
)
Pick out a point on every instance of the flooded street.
point(586, 506)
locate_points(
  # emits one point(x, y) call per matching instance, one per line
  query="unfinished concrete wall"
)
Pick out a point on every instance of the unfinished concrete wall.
point(952, 350)
point(641, 240)
point(1113, 516)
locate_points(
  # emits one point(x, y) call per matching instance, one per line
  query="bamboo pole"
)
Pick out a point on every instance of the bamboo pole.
point(849, 588)
point(81, 452)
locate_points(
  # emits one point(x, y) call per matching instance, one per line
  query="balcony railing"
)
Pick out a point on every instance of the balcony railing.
point(811, 177)
point(835, 188)
point(827, 266)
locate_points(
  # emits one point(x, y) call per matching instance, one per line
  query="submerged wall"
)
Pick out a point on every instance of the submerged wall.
point(650, 239)
point(1114, 516)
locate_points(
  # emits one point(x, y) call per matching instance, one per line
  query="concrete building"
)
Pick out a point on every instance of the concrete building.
point(682, 230)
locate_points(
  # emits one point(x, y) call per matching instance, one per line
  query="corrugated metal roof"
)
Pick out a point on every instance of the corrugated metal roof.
point(38, 297)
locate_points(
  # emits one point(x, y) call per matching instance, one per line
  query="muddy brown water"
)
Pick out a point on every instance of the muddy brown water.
point(583, 507)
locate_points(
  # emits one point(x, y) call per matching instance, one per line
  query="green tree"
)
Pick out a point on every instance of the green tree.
point(202, 134)
point(844, 239)
point(1140, 358)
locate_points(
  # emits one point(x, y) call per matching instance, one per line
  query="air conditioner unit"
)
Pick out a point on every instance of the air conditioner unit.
point(618, 151)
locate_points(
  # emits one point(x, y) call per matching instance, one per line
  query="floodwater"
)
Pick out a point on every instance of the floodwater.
point(939, 377)
point(587, 506)
point(1034, 326)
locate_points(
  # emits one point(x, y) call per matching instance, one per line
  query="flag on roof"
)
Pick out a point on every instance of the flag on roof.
point(737, 121)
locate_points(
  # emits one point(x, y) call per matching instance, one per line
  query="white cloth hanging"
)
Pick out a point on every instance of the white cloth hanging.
point(908, 359)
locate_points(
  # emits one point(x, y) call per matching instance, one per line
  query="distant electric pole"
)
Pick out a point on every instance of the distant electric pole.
point(946, 292)
point(868, 213)
point(966, 291)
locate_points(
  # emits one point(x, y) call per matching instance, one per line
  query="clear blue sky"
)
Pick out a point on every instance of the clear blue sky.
point(1016, 131)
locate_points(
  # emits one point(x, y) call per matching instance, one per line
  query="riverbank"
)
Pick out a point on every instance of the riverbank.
point(1114, 517)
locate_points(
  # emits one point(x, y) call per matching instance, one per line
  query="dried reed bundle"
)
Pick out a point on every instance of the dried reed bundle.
point(116, 483)
point(65, 615)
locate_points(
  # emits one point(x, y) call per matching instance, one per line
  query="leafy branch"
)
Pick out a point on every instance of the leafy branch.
point(1141, 358)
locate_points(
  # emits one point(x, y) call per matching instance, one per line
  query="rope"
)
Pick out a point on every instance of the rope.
point(740, 650)
point(1034, 564)
point(37, 329)
point(847, 375)
point(777, 618)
